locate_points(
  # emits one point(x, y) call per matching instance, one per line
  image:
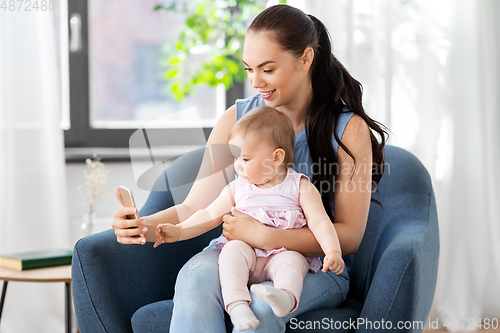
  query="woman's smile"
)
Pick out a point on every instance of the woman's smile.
point(267, 94)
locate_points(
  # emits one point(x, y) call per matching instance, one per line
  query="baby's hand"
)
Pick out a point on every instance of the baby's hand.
point(166, 233)
point(333, 261)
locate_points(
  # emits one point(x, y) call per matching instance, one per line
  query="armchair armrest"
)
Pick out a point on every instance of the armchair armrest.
point(403, 285)
point(111, 280)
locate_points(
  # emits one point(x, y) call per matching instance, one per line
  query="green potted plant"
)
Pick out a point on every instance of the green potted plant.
point(216, 30)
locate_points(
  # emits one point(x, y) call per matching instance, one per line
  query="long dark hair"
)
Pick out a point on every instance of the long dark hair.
point(333, 89)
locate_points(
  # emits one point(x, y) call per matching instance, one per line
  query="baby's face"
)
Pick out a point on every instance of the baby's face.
point(253, 159)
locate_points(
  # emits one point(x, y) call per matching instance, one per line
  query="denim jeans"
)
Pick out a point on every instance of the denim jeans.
point(198, 305)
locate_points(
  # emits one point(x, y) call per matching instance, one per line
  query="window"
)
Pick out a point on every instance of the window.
point(115, 75)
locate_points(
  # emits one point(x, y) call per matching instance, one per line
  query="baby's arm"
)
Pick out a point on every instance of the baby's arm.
point(200, 222)
point(321, 226)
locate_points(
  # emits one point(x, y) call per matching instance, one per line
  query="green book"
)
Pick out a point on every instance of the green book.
point(38, 259)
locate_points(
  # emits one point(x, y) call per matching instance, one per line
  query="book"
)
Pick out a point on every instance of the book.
point(37, 259)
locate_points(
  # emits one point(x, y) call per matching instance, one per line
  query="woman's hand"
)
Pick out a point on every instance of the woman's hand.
point(128, 231)
point(243, 227)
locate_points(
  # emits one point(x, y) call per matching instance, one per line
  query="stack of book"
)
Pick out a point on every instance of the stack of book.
point(38, 259)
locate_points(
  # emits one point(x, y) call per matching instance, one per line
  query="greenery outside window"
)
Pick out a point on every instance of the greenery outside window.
point(128, 66)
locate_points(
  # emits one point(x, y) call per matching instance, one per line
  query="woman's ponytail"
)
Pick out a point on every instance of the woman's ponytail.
point(348, 92)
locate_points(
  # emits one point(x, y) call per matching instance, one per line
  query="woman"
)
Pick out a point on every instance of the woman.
point(288, 58)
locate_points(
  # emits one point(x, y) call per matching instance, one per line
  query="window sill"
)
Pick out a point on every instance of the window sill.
point(80, 154)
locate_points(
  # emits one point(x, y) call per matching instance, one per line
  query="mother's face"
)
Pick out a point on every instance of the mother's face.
point(280, 77)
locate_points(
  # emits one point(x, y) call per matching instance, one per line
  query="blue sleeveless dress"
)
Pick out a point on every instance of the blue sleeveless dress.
point(303, 164)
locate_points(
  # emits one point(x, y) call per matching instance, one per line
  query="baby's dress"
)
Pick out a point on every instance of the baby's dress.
point(276, 207)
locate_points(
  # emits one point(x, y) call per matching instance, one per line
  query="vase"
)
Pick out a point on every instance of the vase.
point(88, 223)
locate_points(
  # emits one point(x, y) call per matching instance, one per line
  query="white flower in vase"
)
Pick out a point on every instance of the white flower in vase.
point(95, 188)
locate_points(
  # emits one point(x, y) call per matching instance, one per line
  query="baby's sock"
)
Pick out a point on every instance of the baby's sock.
point(242, 316)
point(281, 301)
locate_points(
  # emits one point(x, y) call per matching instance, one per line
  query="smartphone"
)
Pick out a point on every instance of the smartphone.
point(128, 201)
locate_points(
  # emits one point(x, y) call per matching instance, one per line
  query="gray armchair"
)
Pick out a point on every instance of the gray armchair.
point(392, 278)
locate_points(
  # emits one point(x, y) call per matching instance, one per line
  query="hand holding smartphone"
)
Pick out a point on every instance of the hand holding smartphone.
point(128, 201)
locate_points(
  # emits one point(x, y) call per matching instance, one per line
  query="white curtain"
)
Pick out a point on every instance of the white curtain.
point(32, 170)
point(431, 73)
point(468, 285)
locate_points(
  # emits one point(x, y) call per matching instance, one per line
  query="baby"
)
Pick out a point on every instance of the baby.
point(262, 143)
